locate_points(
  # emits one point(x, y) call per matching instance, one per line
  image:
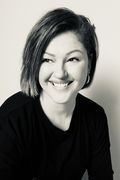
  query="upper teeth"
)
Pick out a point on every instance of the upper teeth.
point(60, 84)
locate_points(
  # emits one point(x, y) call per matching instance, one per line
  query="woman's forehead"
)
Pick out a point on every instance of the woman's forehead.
point(65, 43)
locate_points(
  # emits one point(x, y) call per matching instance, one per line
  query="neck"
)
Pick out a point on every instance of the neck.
point(57, 108)
point(59, 114)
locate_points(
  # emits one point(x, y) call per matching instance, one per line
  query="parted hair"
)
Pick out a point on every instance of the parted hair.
point(50, 25)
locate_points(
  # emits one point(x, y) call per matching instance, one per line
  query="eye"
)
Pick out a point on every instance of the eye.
point(47, 60)
point(74, 59)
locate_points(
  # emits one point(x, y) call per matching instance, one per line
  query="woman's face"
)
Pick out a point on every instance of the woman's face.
point(64, 68)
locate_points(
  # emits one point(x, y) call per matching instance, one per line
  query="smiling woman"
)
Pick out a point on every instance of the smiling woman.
point(49, 128)
point(46, 29)
point(64, 70)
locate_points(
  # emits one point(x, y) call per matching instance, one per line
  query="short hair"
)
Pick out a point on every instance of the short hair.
point(54, 22)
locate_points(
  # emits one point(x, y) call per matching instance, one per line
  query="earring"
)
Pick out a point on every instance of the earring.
point(66, 74)
point(88, 79)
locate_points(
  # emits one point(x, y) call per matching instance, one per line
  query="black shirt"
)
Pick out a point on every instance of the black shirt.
point(31, 146)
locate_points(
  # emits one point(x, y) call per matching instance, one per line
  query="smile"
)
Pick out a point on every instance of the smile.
point(61, 85)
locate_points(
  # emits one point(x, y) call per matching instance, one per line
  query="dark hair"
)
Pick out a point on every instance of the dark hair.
point(50, 25)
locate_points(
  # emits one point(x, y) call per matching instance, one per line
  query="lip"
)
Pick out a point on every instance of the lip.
point(60, 85)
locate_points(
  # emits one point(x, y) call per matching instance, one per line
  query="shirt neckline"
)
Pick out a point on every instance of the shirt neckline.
point(51, 127)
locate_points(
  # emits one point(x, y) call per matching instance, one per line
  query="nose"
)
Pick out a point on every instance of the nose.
point(60, 71)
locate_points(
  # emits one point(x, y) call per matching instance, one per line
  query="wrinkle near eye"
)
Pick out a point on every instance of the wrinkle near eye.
point(74, 59)
point(47, 60)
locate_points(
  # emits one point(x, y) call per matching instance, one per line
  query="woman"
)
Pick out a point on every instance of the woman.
point(49, 129)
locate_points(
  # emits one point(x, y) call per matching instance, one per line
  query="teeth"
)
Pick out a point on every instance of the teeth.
point(60, 85)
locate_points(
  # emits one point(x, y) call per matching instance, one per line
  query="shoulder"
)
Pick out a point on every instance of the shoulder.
point(88, 104)
point(92, 111)
point(15, 103)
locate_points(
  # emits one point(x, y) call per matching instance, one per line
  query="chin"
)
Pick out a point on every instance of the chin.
point(63, 99)
point(60, 100)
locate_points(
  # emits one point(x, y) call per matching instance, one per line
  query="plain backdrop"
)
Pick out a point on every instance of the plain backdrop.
point(16, 20)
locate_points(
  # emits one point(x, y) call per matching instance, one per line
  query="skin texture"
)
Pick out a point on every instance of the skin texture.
point(64, 69)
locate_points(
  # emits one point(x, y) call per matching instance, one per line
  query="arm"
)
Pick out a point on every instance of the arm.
point(100, 167)
point(8, 158)
point(12, 162)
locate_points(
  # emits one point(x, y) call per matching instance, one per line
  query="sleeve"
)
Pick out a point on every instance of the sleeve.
point(11, 153)
point(100, 166)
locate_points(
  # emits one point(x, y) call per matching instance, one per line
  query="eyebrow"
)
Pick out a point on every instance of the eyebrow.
point(76, 50)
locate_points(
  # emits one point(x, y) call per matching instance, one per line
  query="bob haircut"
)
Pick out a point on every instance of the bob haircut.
point(50, 25)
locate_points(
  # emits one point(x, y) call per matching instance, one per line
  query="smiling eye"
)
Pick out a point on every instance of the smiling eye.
point(47, 60)
point(74, 59)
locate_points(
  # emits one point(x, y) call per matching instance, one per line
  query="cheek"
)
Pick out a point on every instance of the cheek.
point(79, 73)
point(44, 74)
point(41, 74)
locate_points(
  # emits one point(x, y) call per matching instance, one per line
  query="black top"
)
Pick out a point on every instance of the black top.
point(31, 146)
